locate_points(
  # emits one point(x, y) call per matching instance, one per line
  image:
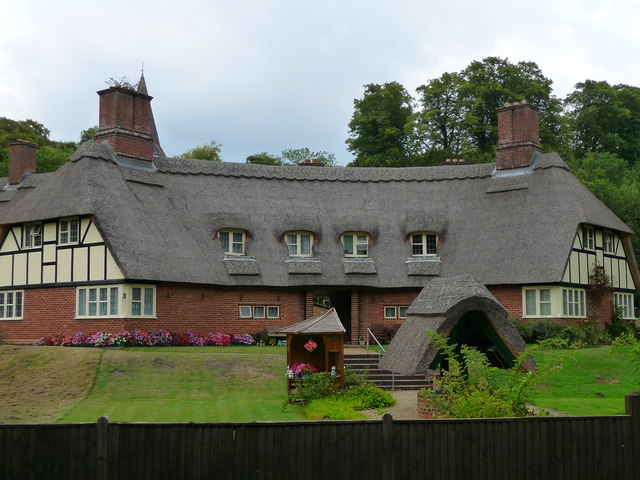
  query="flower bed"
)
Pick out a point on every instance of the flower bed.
point(138, 338)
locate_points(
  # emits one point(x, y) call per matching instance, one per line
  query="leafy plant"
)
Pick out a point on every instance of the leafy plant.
point(472, 388)
point(314, 386)
point(332, 409)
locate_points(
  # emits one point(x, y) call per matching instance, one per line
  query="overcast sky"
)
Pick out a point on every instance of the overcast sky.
point(275, 74)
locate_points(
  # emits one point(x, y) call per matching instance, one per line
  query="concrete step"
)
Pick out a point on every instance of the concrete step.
point(367, 364)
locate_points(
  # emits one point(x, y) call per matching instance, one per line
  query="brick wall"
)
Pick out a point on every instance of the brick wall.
point(50, 311)
point(510, 297)
point(373, 303)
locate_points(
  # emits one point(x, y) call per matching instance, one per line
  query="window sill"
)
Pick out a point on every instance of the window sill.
point(304, 265)
point(359, 265)
point(11, 319)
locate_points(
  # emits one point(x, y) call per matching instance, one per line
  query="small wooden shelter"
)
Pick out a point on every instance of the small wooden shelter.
point(319, 342)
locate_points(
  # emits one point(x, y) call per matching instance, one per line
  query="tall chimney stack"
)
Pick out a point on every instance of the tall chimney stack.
point(22, 159)
point(518, 136)
point(125, 122)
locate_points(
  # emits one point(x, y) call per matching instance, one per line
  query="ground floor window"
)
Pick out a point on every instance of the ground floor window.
point(624, 301)
point(553, 302)
point(259, 311)
point(395, 311)
point(116, 301)
point(11, 305)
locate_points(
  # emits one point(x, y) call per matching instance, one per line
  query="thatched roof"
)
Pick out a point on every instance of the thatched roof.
point(328, 322)
point(161, 225)
point(438, 308)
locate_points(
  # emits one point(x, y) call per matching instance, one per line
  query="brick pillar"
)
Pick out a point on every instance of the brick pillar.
point(308, 304)
point(356, 317)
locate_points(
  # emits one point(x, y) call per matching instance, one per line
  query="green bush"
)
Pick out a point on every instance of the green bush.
point(316, 385)
point(367, 397)
point(332, 409)
point(554, 335)
point(619, 326)
point(354, 378)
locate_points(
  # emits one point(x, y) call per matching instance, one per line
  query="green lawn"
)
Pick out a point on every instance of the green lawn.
point(195, 384)
point(591, 381)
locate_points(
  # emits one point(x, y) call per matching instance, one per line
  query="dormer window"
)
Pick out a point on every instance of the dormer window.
point(300, 244)
point(68, 229)
point(423, 244)
point(355, 244)
point(33, 235)
point(232, 241)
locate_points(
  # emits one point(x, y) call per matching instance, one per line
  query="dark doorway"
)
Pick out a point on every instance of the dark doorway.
point(341, 301)
point(475, 330)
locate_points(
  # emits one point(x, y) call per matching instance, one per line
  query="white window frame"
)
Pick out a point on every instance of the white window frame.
point(359, 243)
point(625, 301)
point(402, 314)
point(390, 312)
point(232, 241)
point(258, 312)
point(11, 304)
point(277, 310)
point(420, 241)
point(608, 245)
point(588, 238)
point(542, 300)
point(33, 233)
point(573, 303)
point(116, 301)
point(294, 243)
point(71, 234)
point(246, 311)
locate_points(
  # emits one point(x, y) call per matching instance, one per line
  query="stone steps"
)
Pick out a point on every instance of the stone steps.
point(368, 365)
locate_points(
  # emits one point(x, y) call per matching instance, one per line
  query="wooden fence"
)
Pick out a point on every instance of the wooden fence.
point(602, 448)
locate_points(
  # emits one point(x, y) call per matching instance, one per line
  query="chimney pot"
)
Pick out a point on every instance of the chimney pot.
point(518, 136)
point(22, 159)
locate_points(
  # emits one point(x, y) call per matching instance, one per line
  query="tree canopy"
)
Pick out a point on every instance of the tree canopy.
point(293, 156)
point(207, 151)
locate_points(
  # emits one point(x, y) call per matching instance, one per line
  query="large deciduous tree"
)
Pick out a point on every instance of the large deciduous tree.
point(378, 128)
point(207, 151)
point(604, 118)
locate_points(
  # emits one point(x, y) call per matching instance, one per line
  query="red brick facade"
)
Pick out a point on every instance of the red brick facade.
point(22, 158)
point(182, 307)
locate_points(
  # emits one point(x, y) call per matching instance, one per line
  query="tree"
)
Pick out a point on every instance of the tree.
point(88, 134)
point(604, 118)
point(295, 156)
point(50, 155)
point(207, 151)
point(264, 158)
point(378, 127)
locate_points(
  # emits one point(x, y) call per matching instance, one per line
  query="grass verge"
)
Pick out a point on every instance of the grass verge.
point(591, 381)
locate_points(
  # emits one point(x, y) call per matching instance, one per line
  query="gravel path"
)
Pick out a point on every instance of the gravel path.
point(405, 408)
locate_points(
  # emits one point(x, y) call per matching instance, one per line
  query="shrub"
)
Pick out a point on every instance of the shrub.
point(317, 385)
point(220, 339)
point(367, 397)
point(160, 338)
point(243, 339)
point(332, 409)
point(354, 378)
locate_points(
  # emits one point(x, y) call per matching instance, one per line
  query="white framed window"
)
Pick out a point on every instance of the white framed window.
point(395, 311)
point(259, 311)
point(423, 244)
point(11, 305)
point(68, 231)
point(99, 301)
point(537, 302)
point(390, 312)
point(232, 241)
point(624, 301)
point(588, 237)
point(402, 312)
point(104, 301)
point(355, 244)
point(300, 244)
point(573, 302)
point(607, 242)
point(32, 235)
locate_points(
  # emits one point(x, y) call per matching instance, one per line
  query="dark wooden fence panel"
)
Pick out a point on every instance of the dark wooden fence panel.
point(584, 448)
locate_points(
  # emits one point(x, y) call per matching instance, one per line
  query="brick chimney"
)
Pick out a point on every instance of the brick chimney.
point(22, 159)
point(518, 136)
point(125, 122)
point(311, 162)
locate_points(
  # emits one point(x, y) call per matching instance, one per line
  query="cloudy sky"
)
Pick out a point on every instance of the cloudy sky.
point(275, 74)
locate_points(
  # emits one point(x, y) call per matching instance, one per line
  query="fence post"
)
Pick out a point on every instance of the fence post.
point(632, 408)
point(102, 449)
point(388, 470)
